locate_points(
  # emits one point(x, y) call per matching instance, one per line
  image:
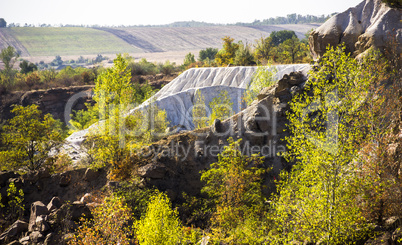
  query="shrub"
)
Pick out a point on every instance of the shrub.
point(160, 224)
point(15, 199)
point(29, 138)
point(199, 111)
point(262, 78)
point(110, 224)
point(235, 183)
point(221, 107)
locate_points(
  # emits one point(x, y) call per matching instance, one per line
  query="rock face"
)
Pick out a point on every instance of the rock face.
point(175, 163)
point(53, 101)
point(369, 24)
point(177, 97)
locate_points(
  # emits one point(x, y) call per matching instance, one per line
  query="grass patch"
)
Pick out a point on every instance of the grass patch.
point(52, 41)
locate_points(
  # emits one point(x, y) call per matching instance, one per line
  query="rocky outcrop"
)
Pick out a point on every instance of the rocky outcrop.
point(58, 101)
point(369, 24)
point(51, 208)
point(174, 163)
point(177, 98)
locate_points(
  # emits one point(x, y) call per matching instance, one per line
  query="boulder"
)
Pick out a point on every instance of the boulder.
point(55, 203)
point(41, 223)
point(87, 198)
point(80, 210)
point(15, 230)
point(37, 209)
point(384, 239)
point(65, 179)
point(36, 237)
point(397, 236)
point(369, 24)
point(91, 175)
point(152, 170)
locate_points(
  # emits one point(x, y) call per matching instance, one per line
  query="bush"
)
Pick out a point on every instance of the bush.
point(110, 225)
point(235, 184)
point(262, 78)
point(160, 224)
point(221, 107)
point(29, 138)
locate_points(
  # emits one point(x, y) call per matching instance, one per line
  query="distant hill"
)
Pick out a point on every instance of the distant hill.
point(70, 41)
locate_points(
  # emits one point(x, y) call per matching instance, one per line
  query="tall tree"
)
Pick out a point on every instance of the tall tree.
point(227, 54)
point(9, 56)
point(279, 37)
point(316, 201)
point(3, 23)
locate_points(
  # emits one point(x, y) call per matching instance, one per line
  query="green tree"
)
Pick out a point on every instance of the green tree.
point(160, 224)
point(113, 88)
point(189, 59)
point(292, 50)
point(3, 23)
point(279, 37)
point(9, 56)
point(29, 138)
point(199, 111)
point(243, 55)
point(262, 78)
point(27, 67)
point(221, 107)
point(316, 200)
point(235, 184)
point(208, 53)
point(263, 50)
point(227, 54)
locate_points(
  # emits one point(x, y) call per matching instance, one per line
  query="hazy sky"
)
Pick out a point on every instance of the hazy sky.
point(149, 12)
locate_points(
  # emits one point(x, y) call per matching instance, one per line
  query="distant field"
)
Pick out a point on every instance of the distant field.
point(51, 41)
point(153, 43)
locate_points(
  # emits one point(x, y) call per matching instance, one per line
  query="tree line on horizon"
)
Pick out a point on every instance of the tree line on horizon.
point(278, 20)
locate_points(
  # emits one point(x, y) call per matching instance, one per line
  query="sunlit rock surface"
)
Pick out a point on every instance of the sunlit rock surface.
point(177, 97)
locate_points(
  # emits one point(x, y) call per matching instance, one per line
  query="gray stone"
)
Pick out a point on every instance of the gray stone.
point(392, 223)
point(25, 240)
point(36, 237)
point(369, 24)
point(16, 229)
point(55, 203)
point(178, 97)
point(37, 209)
point(80, 210)
point(41, 223)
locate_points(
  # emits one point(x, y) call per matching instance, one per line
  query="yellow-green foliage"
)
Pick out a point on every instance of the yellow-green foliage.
point(263, 77)
point(199, 112)
point(113, 88)
point(160, 224)
point(15, 199)
point(227, 54)
point(316, 201)
point(29, 138)
point(234, 183)
point(221, 107)
point(110, 224)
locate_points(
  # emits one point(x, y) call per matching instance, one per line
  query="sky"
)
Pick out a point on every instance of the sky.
point(149, 12)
